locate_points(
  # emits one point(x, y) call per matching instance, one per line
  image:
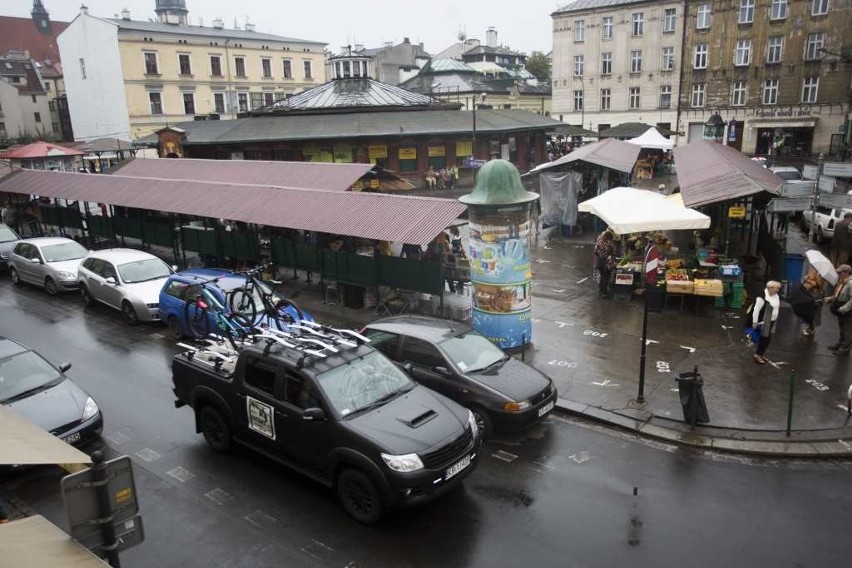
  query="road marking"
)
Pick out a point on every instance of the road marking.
point(542, 261)
point(663, 367)
point(219, 496)
point(728, 327)
point(537, 320)
point(843, 407)
point(158, 335)
point(562, 324)
point(817, 385)
point(690, 349)
point(845, 443)
point(259, 518)
point(568, 364)
point(181, 474)
point(649, 341)
point(505, 456)
point(580, 457)
point(594, 333)
point(148, 455)
point(544, 465)
point(583, 280)
point(606, 383)
point(118, 438)
point(558, 291)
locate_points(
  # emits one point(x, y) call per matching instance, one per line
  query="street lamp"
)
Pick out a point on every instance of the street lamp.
point(477, 99)
point(714, 128)
point(582, 99)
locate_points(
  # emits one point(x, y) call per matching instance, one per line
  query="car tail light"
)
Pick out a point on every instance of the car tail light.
point(831, 223)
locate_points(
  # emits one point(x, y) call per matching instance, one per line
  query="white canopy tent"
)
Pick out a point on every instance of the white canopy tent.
point(652, 139)
point(629, 210)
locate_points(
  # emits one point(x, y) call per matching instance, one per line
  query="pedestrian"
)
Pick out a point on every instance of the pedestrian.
point(605, 260)
point(814, 286)
point(841, 242)
point(841, 307)
point(764, 317)
point(413, 252)
point(431, 177)
point(454, 176)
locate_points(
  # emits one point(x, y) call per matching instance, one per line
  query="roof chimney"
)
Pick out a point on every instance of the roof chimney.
point(125, 14)
point(84, 9)
point(218, 23)
point(491, 37)
point(249, 27)
point(405, 40)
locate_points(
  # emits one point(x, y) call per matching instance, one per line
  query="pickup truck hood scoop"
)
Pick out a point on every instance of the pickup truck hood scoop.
point(416, 416)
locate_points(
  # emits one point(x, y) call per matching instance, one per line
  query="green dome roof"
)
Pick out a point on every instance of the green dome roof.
point(498, 183)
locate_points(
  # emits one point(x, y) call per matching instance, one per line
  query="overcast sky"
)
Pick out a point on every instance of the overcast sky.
point(522, 26)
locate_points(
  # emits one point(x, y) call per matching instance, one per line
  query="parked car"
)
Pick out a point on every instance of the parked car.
point(50, 262)
point(8, 238)
point(825, 220)
point(453, 359)
point(125, 279)
point(42, 394)
point(787, 173)
point(183, 286)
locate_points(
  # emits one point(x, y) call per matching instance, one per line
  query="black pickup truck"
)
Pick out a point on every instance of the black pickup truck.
point(345, 416)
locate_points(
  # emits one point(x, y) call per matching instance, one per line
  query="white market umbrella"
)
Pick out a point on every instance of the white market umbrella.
point(652, 139)
point(629, 210)
point(822, 265)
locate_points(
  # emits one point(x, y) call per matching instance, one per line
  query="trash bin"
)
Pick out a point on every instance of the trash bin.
point(353, 296)
point(690, 385)
point(795, 268)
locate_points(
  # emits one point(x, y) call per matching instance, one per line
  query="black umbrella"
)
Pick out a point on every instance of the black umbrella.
point(803, 304)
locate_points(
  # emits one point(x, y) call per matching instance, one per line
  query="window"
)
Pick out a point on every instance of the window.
point(668, 58)
point(700, 60)
point(287, 69)
point(579, 30)
point(778, 10)
point(307, 67)
point(151, 66)
point(633, 102)
point(638, 24)
point(215, 65)
point(698, 90)
point(606, 28)
point(156, 102)
point(606, 63)
point(578, 100)
point(670, 20)
point(606, 98)
point(819, 7)
point(579, 63)
point(240, 66)
point(814, 45)
point(266, 65)
point(82, 68)
point(774, 49)
point(260, 376)
point(742, 53)
point(242, 102)
point(666, 96)
point(770, 92)
point(702, 18)
point(810, 86)
point(268, 99)
point(746, 11)
point(185, 64)
point(37, 116)
point(738, 93)
point(189, 103)
point(422, 353)
point(33, 97)
point(635, 61)
point(219, 103)
point(384, 341)
point(256, 101)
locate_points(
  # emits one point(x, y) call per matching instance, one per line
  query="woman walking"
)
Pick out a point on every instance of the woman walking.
point(764, 315)
point(814, 285)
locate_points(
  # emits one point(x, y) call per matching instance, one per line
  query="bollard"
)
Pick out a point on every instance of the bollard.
point(790, 402)
point(523, 346)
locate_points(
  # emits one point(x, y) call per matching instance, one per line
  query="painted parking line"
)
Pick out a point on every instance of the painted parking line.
point(504, 456)
point(148, 455)
point(181, 474)
point(219, 496)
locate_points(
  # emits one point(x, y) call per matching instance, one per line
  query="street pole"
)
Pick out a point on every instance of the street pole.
point(790, 402)
point(815, 196)
point(99, 477)
point(649, 275)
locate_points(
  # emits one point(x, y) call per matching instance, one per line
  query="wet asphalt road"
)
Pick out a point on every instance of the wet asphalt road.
point(561, 494)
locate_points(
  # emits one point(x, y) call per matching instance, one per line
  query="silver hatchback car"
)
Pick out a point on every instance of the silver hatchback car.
point(125, 279)
point(50, 262)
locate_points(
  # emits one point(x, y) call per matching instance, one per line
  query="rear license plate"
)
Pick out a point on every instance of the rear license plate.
point(454, 469)
point(545, 409)
point(72, 438)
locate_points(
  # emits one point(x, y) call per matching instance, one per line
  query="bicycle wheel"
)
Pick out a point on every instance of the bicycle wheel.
point(242, 304)
point(196, 320)
point(284, 318)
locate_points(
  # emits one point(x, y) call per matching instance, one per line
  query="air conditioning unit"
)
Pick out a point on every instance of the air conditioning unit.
point(218, 24)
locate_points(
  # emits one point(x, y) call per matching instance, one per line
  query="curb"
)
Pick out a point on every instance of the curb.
point(835, 444)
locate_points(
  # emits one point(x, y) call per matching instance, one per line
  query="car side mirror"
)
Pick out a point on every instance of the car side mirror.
point(35, 260)
point(110, 280)
point(407, 367)
point(174, 268)
point(314, 413)
point(443, 371)
point(64, 368)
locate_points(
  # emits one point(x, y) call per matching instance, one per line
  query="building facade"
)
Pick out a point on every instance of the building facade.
point(617, 61)
point(393, 64)
point(128, 78)
point(776, 71)
point(25, 103)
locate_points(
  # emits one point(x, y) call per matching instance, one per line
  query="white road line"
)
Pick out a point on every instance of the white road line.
point(583, 280)
point(688, 348)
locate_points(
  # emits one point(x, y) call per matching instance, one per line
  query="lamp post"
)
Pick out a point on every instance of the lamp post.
point(477, 99)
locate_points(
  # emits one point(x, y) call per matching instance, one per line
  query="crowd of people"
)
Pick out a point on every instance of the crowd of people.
point(444, 178)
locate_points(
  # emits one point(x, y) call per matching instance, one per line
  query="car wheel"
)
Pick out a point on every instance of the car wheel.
point(217, 432)
point(175, 330)
point(16, 278)
point(819, 236)
point(88, 301)
point(359, 496)
point(129, 313)
point(50, 286)
point(483, 422)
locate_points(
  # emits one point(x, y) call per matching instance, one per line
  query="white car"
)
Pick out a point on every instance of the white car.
point(50, 262)
point(826, 219)
point(125, 279)
point(787, 173)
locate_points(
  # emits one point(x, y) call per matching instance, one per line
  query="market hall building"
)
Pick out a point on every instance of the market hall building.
point(355, 119)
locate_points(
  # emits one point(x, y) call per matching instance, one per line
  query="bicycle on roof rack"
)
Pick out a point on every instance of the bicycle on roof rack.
point(227, 325)
point(257, 299)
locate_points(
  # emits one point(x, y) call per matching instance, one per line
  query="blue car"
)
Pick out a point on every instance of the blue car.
point(183, 287)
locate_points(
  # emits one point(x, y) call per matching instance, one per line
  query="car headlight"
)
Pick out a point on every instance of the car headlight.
point(66, 275)
point(89, 410)
point(404, 463)
point(471, 421)
point(516, 406)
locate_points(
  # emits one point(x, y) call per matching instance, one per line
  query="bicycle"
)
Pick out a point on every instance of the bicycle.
point(229, 325)
point(257, 299)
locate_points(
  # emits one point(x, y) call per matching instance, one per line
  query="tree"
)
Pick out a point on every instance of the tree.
point(539, 65)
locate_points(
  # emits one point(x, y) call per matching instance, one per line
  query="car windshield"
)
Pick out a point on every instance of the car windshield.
point(25, 372)
point(471, 352)
point(7, 234)
point(362, 383)
point(143, 270)
point(63, 251)
point(789, 175)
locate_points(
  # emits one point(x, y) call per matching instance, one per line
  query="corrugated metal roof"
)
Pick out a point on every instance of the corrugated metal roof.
point(579, 5)
point(708, 172)
point(396, 218)
point(446, 65)
point(349, 93)
point(609, 153)
point(39, 150)
point(224, 33)
point(296, 175)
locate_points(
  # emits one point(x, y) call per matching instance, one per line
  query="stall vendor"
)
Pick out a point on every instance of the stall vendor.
point(605, 260)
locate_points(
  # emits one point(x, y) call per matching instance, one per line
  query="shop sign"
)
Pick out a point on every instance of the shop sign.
point(374, 184)
point(737, 212)
point(789, 204)
point(343, 153)
point(464, 148)
point(376, 151)
point(436, 151)
point(732, 132)
point(827, 184)
point(408, 153)
point(783, 112)
point(837, 169)
point(797, 188)
point(836, 200)
point(809, 171)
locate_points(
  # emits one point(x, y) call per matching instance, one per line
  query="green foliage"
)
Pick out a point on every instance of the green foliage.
point(539, 65)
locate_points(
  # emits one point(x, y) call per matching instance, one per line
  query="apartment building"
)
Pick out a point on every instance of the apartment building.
point(617, 61)
point(25, 103)
point(127, 78)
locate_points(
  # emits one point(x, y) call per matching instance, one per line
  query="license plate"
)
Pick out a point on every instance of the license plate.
point(545, 409)
point(454, 469)
point(72, 438)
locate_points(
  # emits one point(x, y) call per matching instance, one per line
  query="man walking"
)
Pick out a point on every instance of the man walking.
point(841, 306)
point(841, 242)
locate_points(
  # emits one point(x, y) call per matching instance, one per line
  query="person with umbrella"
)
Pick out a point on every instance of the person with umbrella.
point(807, 301)
point(841, 306)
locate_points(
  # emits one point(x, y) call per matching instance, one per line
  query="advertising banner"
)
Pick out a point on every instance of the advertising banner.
point(464, 148)
point(436, 151)
point(375, 151)
point(408, 153)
